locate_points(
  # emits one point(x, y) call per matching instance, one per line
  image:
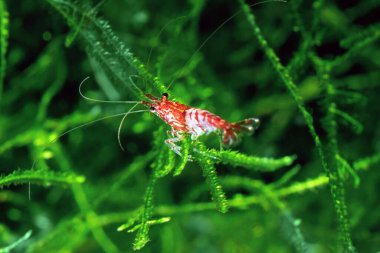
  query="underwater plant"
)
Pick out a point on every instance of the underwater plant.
point(304, 182)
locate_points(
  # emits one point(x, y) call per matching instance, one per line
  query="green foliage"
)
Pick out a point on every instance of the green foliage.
point(301, 68)
point(112, 58)
point(331, 161)
point(4, 20)
point(209, 173)
point(143, 229)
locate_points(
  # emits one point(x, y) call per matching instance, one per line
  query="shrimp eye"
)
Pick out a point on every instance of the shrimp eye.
point(152, 108)
point(165, 95)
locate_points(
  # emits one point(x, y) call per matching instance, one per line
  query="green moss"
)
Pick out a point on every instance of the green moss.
point(303, 182)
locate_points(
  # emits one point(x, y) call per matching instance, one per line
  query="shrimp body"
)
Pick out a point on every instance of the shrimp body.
point(202, 122)
point(196, 122)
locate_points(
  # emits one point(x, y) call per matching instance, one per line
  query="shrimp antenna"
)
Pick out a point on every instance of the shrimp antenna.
point(213, 33)
point(99, 100)
point(84, 125)
point(159, 35)
point(122, 121)
point(94, 121)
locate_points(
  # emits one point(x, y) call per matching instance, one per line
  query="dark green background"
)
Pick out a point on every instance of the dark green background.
point(231, 76)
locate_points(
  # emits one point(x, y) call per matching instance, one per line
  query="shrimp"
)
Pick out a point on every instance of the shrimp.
point(184, 119)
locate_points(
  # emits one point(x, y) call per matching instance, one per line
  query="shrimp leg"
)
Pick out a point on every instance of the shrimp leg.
point(171, 142)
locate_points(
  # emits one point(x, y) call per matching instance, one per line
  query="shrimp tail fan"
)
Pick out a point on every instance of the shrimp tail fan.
point(231, 136)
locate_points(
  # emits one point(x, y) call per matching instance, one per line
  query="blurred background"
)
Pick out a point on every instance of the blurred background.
point(85, 186)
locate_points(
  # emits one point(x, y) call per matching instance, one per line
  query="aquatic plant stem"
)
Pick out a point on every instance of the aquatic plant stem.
point(84, 205)
point(332, 152)
point(4, 34)
point(336, 185)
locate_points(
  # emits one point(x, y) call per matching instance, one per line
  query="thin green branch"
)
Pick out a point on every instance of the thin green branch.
point(347, 168)
point(332, 153)
point(59, 238)
point(286, 177)
point(149, 223)
point(164, 210)
point(263, 164)
point(4, 34)
point(353, 123)
point(92, 219)
point(25, 237)
point(298, 61)
point(354, 38)
point(366, 162)
point(286, 78)
point(130, 221)
point(301, 187)
point(337, 189)
point(185, 149)
point(142, 236)
point(356, 43)
point(293, 232)
point(165, 158)
point(209, 173)
point(229, 183)
point(84, 205)
point(43, 177)
point(113, 57)
point(139, 163)
point(50, 93)
point(253, 186)
point(168, 162)
point(236, 203)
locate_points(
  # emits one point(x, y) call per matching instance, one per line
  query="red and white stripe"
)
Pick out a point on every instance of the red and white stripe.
point(200, 122)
